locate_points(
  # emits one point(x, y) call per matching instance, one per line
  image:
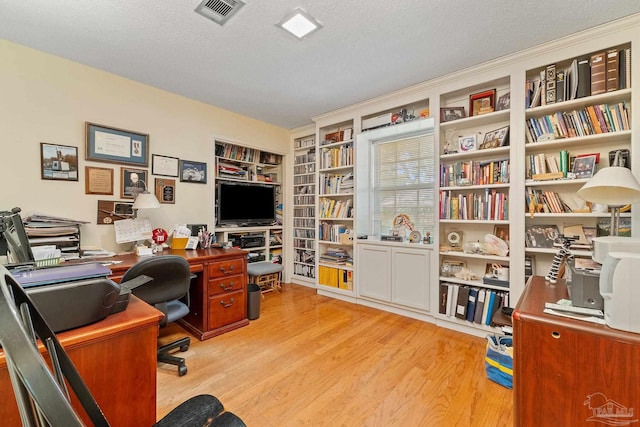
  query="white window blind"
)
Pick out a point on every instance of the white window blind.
point(403, 182)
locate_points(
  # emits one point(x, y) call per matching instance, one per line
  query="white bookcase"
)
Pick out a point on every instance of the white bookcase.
point(304, 209)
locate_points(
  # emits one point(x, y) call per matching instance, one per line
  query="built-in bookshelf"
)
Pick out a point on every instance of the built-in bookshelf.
point(335, 209)
point(304, 208)
point(574, 126)
point(475, 197)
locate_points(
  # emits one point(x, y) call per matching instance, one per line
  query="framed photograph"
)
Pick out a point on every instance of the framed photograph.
point(482, 102)
point(164, 165)
point(58, 162)
point(496, 138)
point(501, 231)
point(112, 145)
point(504, 102)
point(467, 143)
point(98, 180)
point(589, 234)
point(448, 114)
point(541, 236)
point(132, 182)
point(191, 171)
point(584, 167)
point(450, 268)
point(166, 190)
point(110, 211)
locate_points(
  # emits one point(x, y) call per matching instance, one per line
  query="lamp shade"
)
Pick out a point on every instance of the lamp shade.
point(614, 186)
point(146, 200)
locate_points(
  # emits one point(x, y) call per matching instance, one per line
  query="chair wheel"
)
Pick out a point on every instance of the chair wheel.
point(182, 370)
point(184, 348)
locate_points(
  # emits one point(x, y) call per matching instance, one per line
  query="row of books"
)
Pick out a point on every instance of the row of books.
point(332, 208)
point(490, 205)
point(306, 257)
point(304, 270)
point(469, 303)
point(473, 172)
point(335, 277)
point(336, 184)
point(237, 152)
point(337, 156)
point(549, 201)
point(304, 222)
point(305, 142)
point(304, 179)
point(542, 163)
point(331, 232)
point(300, 169)
point(600, 72)
point(303, 242)
point(591, 120)
point(231, 171)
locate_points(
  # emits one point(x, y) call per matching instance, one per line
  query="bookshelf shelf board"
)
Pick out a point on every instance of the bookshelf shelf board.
point(492, 153)
point(483, 119)
point(579, 141)
point(335, 194)
point(474, 187)
point(478, 256)
point(335, 219)
point(532, 183)
point(466, 322)
point(337, 168)
point(605, 98)
point(576, 215)
point(474, 283)
point(330, 242)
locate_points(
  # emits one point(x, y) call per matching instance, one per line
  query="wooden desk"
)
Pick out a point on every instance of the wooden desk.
point(566, 370)
point(116, 357)
point(218, 295)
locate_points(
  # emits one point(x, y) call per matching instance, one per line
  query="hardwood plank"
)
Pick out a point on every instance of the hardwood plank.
point(313, 360)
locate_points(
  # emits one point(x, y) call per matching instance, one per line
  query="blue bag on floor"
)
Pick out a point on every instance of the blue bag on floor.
point(499, 359)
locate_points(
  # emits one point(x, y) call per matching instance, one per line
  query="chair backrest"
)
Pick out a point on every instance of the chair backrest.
point(171, 278)
point(41, 398)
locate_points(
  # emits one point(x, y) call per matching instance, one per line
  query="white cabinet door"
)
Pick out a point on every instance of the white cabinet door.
point(410, 281)
point(374, 272)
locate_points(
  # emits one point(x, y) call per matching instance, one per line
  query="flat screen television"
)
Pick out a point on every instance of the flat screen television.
point(243, 204)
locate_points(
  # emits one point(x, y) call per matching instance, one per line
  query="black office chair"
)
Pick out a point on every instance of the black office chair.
point(167, 292)
point(41, 392)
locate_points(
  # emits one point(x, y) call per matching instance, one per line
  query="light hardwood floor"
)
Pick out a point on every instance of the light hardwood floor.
point(310, 360)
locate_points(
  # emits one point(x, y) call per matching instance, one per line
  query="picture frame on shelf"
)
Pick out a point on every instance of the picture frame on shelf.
point(113, 145)
point(467, 143)
point(449, 114)
point(449, 268)
point(541, 235)
point(584, 167)
point(504, 102)
point(496, 138)
point(191, 171)
point(58, 162)
point(164, 165)
point(501, 231)
point(482, 102)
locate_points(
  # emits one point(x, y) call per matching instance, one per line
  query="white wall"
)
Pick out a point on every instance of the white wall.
point(44, 98)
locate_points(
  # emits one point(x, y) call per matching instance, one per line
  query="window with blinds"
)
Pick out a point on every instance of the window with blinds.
point(403, 182)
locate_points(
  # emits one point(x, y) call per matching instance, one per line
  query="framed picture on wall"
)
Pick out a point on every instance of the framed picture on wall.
point(112, 145)
point(166, 190)
point(132, 182)
point(191, 171)
point(58, 162)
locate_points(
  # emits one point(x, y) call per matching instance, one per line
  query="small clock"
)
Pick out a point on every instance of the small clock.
point(454, 238)
point(415, 236)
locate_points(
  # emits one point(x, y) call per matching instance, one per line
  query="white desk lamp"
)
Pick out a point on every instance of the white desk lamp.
point(145, 200)
point(614, 186)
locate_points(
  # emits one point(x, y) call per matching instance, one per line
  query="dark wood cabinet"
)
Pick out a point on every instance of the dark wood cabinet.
point(570, 372)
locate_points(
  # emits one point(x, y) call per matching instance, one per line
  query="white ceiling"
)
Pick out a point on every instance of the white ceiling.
point(367, 48)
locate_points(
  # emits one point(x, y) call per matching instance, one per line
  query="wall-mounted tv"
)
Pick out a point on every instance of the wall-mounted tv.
point(243, 204)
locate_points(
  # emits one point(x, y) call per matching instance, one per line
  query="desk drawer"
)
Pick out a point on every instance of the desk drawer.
point(225, 284)
point(226, 309)
point(225, 268)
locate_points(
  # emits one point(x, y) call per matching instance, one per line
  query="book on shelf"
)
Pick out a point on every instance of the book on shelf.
point(598, 73)
point(612, 72)
point(473, 304)
point(584, 78)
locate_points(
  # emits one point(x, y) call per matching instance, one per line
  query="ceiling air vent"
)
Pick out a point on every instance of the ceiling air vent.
point(219, 11)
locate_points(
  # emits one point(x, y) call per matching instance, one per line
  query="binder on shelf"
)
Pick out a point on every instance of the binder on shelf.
point(463, 300)
point(560, 86)
point(584, 78)
point(477, 317)
point(442, 302)
point(598, 73)
point(551, 84)
point(612, 70)
point(472, 304)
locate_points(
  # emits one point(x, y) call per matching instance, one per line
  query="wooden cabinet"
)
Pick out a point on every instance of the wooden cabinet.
point(395, 274)
point(570, 372)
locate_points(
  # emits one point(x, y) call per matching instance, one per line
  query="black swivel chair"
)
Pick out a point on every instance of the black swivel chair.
point(41, 392)
point(169, 287)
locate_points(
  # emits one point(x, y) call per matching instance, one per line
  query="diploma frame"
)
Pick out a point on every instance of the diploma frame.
point(113, 145)
point(164, 165)
point(98, 180)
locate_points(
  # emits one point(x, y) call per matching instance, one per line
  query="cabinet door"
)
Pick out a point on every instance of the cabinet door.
point(410, 282)
point(374, 272)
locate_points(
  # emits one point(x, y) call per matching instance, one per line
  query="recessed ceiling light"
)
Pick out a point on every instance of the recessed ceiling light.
point(299, 23)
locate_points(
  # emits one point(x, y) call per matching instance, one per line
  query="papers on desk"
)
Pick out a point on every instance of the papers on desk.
point(576, 316)
point(95, 252)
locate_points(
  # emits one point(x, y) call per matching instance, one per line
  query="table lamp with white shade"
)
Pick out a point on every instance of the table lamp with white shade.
point(614, 186)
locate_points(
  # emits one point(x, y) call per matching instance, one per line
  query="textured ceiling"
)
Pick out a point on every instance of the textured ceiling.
point(367, 47)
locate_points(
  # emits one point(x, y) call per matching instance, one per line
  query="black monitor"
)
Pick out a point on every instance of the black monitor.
point(15, 236)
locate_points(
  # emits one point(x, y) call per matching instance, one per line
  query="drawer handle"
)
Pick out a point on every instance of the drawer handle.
point(229, 304)
point(229, 271)
point(226, 288)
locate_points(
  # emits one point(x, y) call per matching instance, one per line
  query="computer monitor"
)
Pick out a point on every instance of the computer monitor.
point(15, 236)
